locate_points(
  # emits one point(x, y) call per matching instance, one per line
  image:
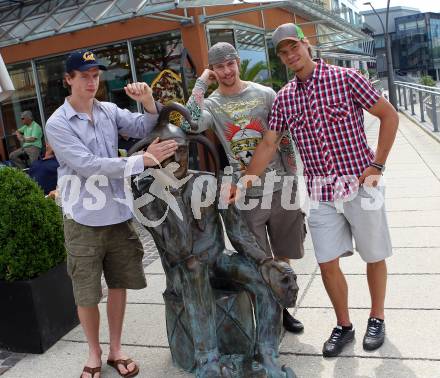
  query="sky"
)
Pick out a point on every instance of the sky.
point(422, 5)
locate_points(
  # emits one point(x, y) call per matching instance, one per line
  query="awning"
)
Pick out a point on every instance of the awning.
point(35, 19)
point(26, 20)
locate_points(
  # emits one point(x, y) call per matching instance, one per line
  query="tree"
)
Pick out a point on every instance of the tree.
point(254, 73)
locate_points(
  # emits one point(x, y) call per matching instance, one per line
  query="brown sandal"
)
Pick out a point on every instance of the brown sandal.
point(114, 364)
point(91, 371)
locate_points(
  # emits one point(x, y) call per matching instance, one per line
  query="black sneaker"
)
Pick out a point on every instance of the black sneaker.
point(290, 323)
point(337, 340)
point(375, 334)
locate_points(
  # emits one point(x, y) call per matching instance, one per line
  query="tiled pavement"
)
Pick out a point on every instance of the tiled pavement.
point(412, 347)
point(9, 359)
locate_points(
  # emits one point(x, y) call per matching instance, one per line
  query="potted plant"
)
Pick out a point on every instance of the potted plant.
point(37, 306)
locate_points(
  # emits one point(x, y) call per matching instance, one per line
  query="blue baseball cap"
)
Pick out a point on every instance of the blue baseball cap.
point(82, 60)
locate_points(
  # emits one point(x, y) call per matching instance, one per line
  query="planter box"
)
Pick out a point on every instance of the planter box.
point(36, 313)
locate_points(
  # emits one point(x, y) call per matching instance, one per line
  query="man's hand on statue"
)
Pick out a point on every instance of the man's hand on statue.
point(160, 151)
point(209, 77)
point(229, 193)
point(139, 92)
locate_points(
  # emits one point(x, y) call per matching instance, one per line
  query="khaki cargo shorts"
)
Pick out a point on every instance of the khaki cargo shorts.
point(114, 250)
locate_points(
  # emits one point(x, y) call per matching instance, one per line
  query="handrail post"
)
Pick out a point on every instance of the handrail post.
point(411, 101)
point(422, 114)
point(398, 92)
point(434, 112)
point(404, 98)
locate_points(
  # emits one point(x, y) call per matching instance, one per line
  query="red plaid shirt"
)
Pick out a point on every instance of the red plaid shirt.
point(325, 117)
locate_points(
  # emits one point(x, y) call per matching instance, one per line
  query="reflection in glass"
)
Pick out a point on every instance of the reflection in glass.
point(24, 98)
point(117, 76)
point(158, 64)
point(221, 35)
point(50, 73)
point(155, 54)
point(277, 68)
point(251, 47)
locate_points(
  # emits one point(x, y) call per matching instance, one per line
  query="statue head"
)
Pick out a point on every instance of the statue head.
point(282, 280)
point(164, 130)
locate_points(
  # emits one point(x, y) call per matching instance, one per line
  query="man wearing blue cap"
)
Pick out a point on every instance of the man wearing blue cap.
point(99, 234)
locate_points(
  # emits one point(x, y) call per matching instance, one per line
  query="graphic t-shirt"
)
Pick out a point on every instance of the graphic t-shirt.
point(239, 122)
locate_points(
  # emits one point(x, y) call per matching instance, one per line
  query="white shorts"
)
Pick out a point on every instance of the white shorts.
point(333, 226)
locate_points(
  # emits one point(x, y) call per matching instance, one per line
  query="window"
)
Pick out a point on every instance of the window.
point(155, 54)
point(344, 12)
point(350, 15)
point(23, 98)
point(277, 68)
point(117, 76)
point(50, 73)
point(158, 64)
point(252, 49)
point(221, 35)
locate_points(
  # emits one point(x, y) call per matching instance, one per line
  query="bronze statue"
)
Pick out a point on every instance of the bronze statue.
point(237, 334)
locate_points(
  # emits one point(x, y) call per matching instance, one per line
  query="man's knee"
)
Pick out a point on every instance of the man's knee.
point(329, 267)
point(377, 264)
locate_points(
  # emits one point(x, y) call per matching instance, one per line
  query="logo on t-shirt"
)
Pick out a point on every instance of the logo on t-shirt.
point(244, 140)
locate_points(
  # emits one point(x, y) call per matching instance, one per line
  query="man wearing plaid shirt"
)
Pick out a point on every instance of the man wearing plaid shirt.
point(323, 109)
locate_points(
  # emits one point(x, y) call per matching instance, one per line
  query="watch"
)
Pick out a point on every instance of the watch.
point(380, 167)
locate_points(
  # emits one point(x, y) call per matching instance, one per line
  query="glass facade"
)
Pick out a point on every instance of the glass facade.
point(418, 38)
point(154, 55)
point(24, 98)
point(50, 73)
point(435, 41)
point(221, 35)
point(151, 55)
point(117, 76)
point(251, 47)
point(278, 70)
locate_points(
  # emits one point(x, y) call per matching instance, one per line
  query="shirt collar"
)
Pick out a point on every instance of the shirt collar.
point(321, 66)
point(318, 72)
point(71, 112)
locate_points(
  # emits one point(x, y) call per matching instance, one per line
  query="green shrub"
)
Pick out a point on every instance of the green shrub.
point(427, 80)
point(31, 231)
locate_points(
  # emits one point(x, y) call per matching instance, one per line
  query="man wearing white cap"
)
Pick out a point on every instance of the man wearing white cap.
point(323, 109)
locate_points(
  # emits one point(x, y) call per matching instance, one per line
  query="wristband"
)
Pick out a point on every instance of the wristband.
point(380, 167)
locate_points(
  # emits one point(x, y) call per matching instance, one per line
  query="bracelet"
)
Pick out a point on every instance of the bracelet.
point(377, 165)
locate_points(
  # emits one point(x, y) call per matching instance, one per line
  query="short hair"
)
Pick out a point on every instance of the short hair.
point(27, 114)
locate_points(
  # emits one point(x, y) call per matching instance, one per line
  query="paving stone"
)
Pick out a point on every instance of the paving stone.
point(403, 291)
point(407, 334)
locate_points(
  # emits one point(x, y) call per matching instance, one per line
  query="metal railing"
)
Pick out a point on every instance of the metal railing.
point(427, 98)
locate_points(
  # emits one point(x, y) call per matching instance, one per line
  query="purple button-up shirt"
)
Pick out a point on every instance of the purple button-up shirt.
point(91, 175)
